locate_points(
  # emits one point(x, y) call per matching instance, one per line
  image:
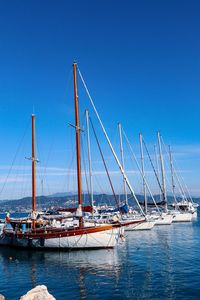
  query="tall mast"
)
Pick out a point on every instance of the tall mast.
point(111, 147)
point(78, 146)
point(157, 170)
point(143, 173)
point(89, 157)
point(122, 161)
point(33, 170)
point(164, 195)
point(172, 173)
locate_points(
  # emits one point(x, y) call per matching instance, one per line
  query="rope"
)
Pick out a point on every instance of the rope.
point(110, 144)
point(175, 173)
point(111, 185)
point(84, 166)
point(153, 166)
point(13, 161)
point(143, 176)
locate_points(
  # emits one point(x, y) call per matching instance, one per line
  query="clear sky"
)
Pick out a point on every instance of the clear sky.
point(141, 62)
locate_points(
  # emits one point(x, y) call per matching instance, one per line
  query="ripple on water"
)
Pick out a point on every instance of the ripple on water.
point(163, 263)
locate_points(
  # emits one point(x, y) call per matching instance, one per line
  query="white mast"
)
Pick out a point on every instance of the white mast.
point(143, 174)
point(183, 194)
point(157, 169)
point(164, 195)
point(172, 173)
point(122, 161)
point(111, 147)
point(89, 157)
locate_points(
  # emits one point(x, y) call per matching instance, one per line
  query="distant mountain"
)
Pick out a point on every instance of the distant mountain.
point(61, 195)
point(70, 200)
point(66, 194)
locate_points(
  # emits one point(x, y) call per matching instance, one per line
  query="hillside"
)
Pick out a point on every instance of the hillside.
point(46, 202)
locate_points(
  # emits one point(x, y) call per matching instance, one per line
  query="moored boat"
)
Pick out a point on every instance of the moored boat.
point(181, 216)
point(34, 233)
point(163, 219)
point(146, 225)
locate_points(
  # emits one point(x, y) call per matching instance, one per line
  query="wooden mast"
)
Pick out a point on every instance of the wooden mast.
point(33, 172)
point(78, 147)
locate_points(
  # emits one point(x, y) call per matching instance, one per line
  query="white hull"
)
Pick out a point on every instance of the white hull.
point(147, 225)
point(129, 223)
point(182, 217)
point(102, 239)
point(94, 240)
point(194, 215)
point(164, 219)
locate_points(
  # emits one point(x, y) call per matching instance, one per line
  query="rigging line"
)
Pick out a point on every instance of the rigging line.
point(84, 165)
point(136, 174)
point(46, 164)
point(152, 166)
point(39, 171)
point(20, 168)
point(171, 189)
point(83, 147)
point(143, 176)
point(186, 188)
point(175, 173)
point(95, 178)
point(173, 170)
point(115, 137)
point(13, 161)
point(169, 167)
point(179, 184)
point(172, 175)
point(111, 185)
point(110, 144)
point(18, 175)
point(69, 169)
point(98, 184)
point(157, 168)
point(25, 189)
point(183, 182)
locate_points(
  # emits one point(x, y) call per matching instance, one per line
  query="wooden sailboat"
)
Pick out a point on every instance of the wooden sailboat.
point(40, 234)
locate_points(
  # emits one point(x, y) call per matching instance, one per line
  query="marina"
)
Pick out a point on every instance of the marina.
point(161, 258)
point(70, 228)
point(118, 243)
point(100, 150)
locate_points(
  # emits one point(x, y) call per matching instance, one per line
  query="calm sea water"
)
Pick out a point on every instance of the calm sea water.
point(163, 263)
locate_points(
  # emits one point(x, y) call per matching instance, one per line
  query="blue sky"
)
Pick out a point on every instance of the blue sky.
point(141, 62)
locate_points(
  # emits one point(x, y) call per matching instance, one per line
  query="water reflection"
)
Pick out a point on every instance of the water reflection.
point(160, 264)
point(69, 268)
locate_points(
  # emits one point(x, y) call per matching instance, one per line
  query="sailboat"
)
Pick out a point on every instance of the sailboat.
point(179, 215)
point(147, 223)
point(109, 214)
point(34, 233)
point(161, 217)
point(165, 218)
